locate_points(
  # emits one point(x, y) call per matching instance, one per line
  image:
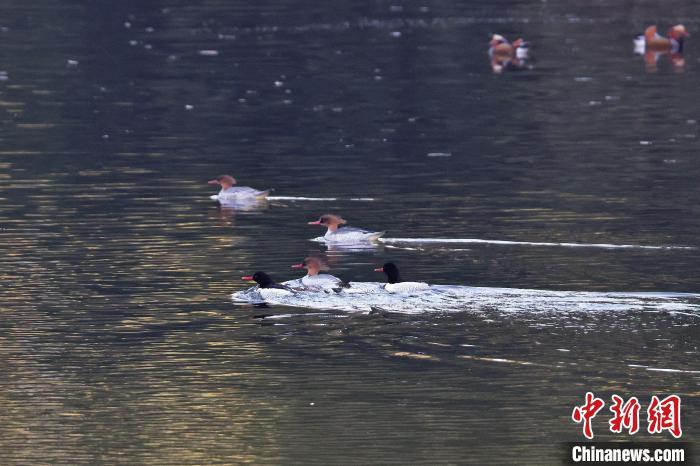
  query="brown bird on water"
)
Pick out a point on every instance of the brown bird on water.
point(507, 55)
point(653, 45)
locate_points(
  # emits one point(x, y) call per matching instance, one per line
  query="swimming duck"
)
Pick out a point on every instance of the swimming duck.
point(341, 234)
point(316, 281)
point(653, 41)
point(506, 55)
point(394, 283)
point(267, 287)
point(652, 45)
point(229, 192)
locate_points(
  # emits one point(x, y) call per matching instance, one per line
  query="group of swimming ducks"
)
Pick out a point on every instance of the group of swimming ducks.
point(513, 55)
point(314, 280)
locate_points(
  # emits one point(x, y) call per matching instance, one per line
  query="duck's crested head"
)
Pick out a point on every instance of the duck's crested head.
point(497, 39)
point(225, 181)
point(329, 220)
point(678, 32)
point(519, 42)
point(312, 264)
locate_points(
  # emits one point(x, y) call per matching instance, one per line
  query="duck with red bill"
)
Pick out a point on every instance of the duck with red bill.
point(394, 283)
point(264, 281)
point(315, 281)
point(337, 233)
point(229, 192)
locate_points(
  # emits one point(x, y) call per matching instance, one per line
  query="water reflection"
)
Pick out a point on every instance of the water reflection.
point(118, 340)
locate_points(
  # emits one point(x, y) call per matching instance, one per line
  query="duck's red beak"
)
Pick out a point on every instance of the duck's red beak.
point(248, 278)
point(380, 269)
point(317, 222)
point(298, 266)
point(213, 182)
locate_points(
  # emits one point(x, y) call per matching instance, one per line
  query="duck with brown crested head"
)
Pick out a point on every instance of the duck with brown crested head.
point(316, 281)
point(506, 55)
point(229, 192)
point(653, 45)
point(338, 233)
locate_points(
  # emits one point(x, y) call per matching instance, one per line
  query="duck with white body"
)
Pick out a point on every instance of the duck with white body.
point(315, 281)
point(267, 288)
point(394, 283)
point(231, 193)
point(339, 234)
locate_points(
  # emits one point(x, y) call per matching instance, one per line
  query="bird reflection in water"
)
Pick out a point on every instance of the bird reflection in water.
point(226, 211)
point(506, 56)
point(653, 46)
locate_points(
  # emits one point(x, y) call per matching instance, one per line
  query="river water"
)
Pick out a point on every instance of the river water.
point(119, 341)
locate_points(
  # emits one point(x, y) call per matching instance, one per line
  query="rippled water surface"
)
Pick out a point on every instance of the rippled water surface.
point(119, 342)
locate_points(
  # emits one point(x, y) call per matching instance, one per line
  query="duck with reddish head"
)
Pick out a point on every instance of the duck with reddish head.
point(315, 281)
point(231, 193)
point(339, 234)
point(508, 56)
point(653, 45)
point(394, 283)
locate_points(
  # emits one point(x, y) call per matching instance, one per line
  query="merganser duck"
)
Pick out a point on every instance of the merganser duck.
point(316, 281)
point(267, 287)
point(338, 234)
point(394, 283)
point(235, 193)
point(505, 55)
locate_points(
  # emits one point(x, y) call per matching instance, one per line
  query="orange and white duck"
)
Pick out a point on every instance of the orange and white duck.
point(653, 45)
point(505, 54)
point(653, 41)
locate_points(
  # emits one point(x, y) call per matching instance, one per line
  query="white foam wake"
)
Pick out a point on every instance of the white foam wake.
point(366, 296)
point(318, 199)
point(523, 243)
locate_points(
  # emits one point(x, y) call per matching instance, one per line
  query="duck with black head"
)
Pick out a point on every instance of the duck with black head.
point(394, 283)
point(315, 281)
point(338, 233)
point(267, 287)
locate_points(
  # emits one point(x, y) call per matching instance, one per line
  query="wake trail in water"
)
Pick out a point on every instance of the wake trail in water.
point(368, 296)
point(318, 199)
point(419, 241)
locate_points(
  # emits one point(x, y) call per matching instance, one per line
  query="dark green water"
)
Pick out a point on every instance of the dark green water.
point(118, 340)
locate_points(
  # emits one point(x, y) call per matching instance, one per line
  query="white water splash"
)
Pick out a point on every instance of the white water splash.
point(523, 243)
point(368, 296)
point(318, 199)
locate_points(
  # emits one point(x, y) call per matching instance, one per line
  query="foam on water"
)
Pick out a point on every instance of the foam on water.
point(368, 296)
point(523, 243)
point(319, 199)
